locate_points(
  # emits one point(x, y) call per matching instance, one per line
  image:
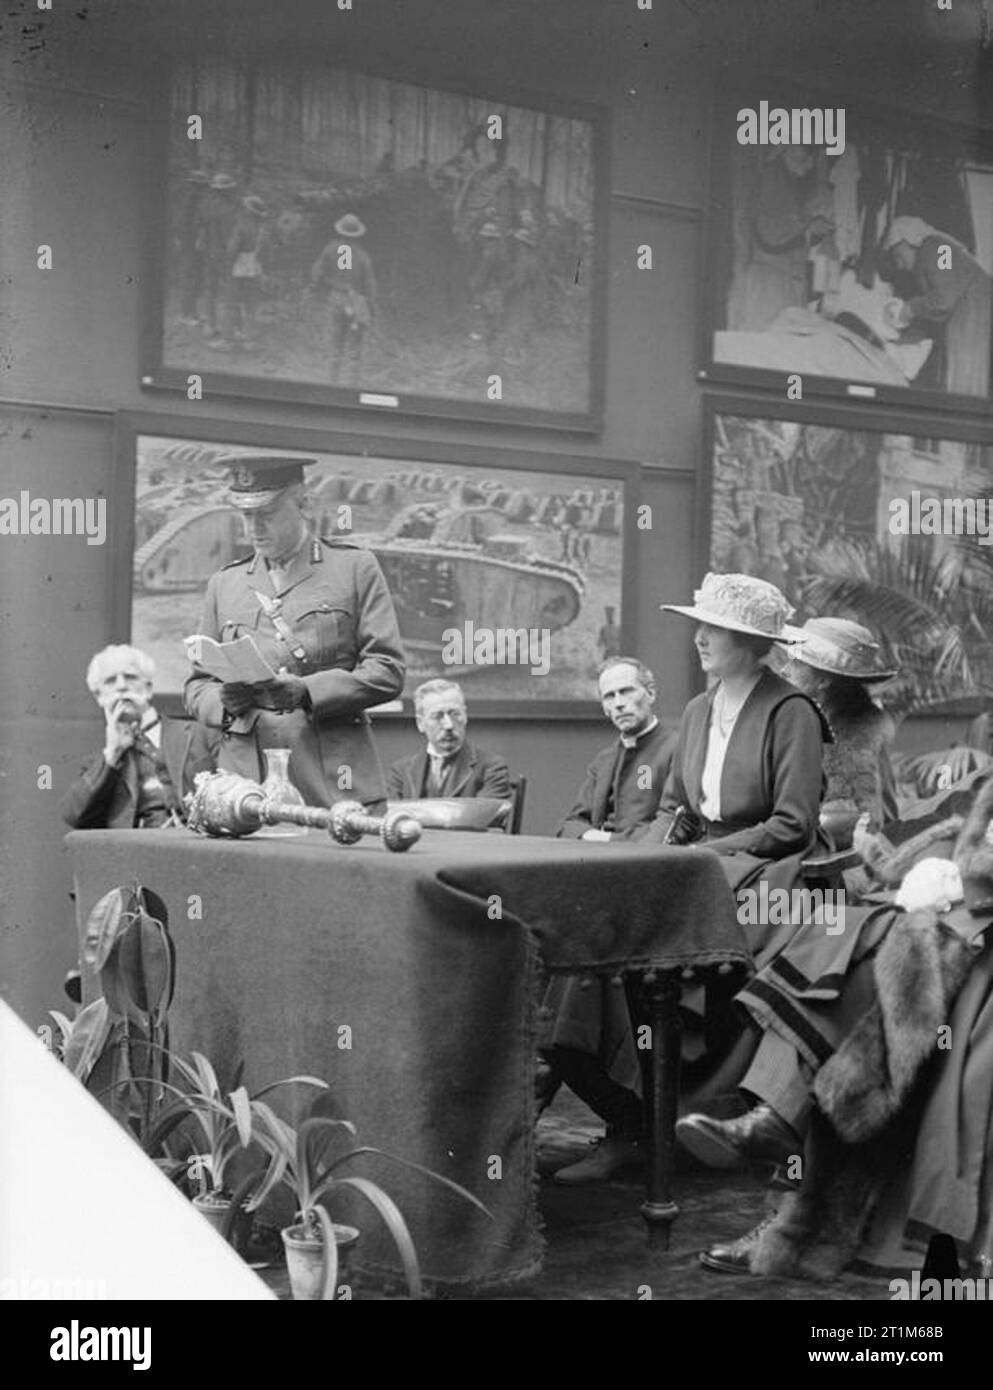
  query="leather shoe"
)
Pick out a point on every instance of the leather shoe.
point(735, 1257)
point(759, 1136)
point(609, 1156)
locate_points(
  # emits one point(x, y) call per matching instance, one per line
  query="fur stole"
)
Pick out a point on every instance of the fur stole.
point(865, 1093)
point(892, 864)
point(861, 732)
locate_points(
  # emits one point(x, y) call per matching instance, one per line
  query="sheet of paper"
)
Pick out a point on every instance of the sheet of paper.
point(237, 661)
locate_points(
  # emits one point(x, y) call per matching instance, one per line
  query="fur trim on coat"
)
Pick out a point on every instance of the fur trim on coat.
point(861, 732)
point(866, 1098)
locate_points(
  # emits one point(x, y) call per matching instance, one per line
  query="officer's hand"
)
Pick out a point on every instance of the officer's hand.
point(285, 692)
point(236, 697)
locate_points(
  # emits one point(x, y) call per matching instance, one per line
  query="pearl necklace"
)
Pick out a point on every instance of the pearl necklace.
point(723, 716)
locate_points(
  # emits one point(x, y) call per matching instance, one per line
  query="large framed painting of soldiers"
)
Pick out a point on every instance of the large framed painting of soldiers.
point(850, 254)
point(884, 518)
point(334, 237)
point(506, 569)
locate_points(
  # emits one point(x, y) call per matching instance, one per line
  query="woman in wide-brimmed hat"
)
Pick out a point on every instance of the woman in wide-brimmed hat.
point(835, 661)
point(746, 778)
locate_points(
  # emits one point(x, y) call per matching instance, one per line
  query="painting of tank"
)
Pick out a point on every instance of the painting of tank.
point(466, 551)
point(891, 525)
point(340, 238)
point(856, 252)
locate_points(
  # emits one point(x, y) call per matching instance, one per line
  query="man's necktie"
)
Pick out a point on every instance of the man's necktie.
point(438, 780)
point(170, 796)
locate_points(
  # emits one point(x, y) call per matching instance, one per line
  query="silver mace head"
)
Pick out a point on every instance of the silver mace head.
point(224, 804)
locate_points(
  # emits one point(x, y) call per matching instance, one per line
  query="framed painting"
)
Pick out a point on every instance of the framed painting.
point(850, 254)
point(883, 518)
point(506, 568)
point(338, 238)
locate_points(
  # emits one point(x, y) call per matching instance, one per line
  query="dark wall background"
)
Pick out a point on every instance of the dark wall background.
point(80, 89)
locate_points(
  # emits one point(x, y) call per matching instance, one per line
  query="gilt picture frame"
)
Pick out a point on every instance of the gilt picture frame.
point(877, 516)
point(860, 267)
point(348, 239)
point(471, 541)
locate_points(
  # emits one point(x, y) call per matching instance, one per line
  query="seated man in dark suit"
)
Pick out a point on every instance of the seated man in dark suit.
point(147, 763)
point(620, 795)
point(448, 764)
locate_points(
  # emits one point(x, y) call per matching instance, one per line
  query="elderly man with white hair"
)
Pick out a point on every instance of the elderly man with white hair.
point(147, 763)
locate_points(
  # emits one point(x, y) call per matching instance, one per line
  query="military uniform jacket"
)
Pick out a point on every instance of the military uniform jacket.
point(334, 600)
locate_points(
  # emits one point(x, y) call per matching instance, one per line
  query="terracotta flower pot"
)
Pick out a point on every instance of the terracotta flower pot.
point(304, 1258)
point(215, 1208)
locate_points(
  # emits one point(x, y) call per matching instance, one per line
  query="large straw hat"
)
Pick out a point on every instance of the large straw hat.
point(740, 603)
point(840, 647)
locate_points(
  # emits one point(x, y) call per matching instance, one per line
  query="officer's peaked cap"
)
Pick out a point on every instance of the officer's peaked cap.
point(258, 479)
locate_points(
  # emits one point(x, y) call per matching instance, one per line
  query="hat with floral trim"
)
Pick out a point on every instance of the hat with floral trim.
point(740, 603)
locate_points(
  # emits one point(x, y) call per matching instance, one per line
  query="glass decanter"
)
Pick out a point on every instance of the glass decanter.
point(279, 789)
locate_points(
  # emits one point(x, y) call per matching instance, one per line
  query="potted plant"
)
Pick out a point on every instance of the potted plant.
point(314, 1244)
point(228, 1128)
point(120, 1034)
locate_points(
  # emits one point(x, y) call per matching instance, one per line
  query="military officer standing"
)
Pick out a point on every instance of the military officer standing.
point(320, 613)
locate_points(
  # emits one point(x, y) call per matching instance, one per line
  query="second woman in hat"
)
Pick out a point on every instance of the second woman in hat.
point(835, 662)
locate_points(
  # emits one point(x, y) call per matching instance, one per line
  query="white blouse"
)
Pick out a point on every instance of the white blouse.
point(717, 747)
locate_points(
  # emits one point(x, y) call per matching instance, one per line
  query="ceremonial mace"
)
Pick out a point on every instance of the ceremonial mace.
point(226, 804)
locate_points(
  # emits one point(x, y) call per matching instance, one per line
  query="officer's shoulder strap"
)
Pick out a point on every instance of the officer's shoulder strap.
point(233, 564)
point(333, 543)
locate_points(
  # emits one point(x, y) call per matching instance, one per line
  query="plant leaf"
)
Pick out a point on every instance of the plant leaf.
point(103, 926)
point(63, 1023)
point(206, 1075)
point(312, 1142)
point(329, 1257)
point(274, 1175)
point(242, 1108)
point(278, 1131)
point(87, 1039)
point(395, 1224)
point(292, 1081)
point(418, 1168)
point(142, 964)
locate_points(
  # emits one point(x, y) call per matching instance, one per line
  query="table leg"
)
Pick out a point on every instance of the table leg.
point(659, 1007)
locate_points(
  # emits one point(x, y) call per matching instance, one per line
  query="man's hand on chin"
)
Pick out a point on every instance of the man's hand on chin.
point(123, 720)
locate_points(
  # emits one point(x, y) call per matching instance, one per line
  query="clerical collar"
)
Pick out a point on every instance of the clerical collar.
point(627, 741)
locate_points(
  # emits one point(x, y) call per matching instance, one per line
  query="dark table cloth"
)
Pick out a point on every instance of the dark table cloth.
point(407, 981)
